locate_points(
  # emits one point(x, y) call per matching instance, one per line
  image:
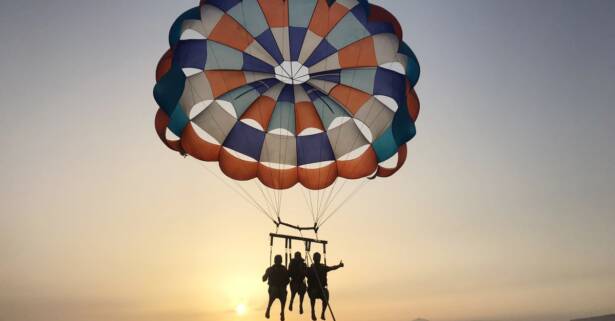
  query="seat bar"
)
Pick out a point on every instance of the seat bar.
point(297, 238)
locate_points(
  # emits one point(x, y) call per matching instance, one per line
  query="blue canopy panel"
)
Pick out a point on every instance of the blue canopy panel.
point(245, 140)
point(314, 149)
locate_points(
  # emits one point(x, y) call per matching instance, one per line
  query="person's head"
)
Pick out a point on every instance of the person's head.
point(317, 258)
point(278, 260)
point(298, 256)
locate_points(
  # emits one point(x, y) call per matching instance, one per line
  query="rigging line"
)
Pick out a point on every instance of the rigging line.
point(259, 83)
point(329, 107)
point(328, 195)
point(321, 200)
point(352, 194)
point(318, 199)
point(270, 205)
point(285, 77)
point(337, 138)
point(255, 203)
point(291, 117)
point(319, 192)
point(270, 192)
point(306, 202)
point(281, 112)
point(258, 205)
point(292, 73)
point(320, 208)
point(271, 195)
point(279, 156)
point(335, 196)
point(310, 195)
point(310, 192)
point(322, 193)
point(284, 36)
point(327, 103)
point(306, 195)
point(332, 195)
point(316, 76)
point(318, 182)
point(251, 197)
point(274, 192)
point(251, 202)
point(378, 115)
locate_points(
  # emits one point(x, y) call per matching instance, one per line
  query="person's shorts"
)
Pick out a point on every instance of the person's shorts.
point(277, 292)
point(298, 287)
point(318, 293)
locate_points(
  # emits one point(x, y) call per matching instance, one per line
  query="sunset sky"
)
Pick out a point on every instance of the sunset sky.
point(505, 210)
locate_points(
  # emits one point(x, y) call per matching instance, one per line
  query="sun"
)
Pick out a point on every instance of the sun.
point(241, 309)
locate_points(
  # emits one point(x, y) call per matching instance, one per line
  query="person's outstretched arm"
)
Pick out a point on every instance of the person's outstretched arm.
point(335, 267)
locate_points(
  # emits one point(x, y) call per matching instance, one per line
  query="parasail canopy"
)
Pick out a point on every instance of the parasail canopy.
point(289, 91)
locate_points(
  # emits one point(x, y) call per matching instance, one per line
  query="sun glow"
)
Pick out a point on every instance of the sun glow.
point(241, 309)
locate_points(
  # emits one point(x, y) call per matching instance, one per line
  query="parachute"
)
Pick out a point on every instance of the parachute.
point(289, 94)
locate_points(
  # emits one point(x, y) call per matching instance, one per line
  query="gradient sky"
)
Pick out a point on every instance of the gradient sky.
point(504, 211)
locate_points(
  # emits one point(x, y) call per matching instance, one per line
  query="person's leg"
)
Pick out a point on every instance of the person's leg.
point(301, 297)
point(283, 303)
point(268, 311)
point(325, 303)
point(324, 309)
point(312, 304)
point(292, 298)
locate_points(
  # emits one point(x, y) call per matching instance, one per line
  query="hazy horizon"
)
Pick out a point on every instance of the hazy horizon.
point(503, 212)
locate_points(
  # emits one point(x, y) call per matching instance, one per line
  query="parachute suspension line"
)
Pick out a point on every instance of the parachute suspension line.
point(322, 215)
point(245, 195)
point(270, 195)
point(352, 194)
point(278, 192)
point(328, 200)
point(329, 192)
point(309, 204)
point(267, 200)
point(331, 197)
point(348, 198)
point(331, 110)
point(323, 201)
point(319, 192)
point(252, 201)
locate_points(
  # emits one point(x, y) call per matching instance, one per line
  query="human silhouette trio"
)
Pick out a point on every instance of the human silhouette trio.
point(278, 277)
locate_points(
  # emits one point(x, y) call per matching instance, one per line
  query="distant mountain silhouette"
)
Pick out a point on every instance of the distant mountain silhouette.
point(609, 317)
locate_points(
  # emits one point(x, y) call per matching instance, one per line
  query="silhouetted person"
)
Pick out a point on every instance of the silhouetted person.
point(317, 284)
point(277, 277)
point(298, 271)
